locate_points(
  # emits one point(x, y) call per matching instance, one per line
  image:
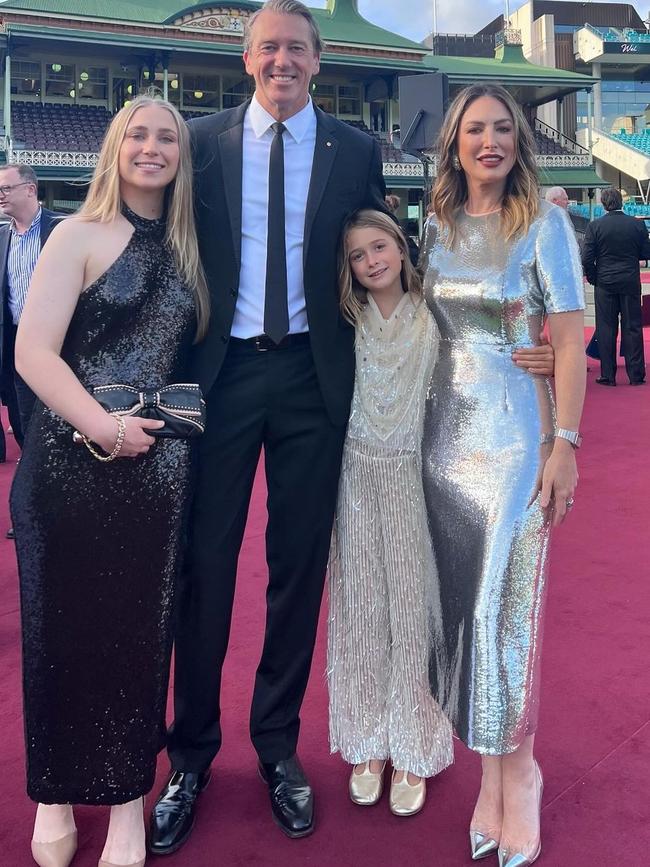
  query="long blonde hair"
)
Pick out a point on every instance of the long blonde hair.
point(104, 201)
point(520, 204)
point(352, 296)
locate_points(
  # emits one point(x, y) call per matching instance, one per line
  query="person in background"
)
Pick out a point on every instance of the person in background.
point(613, 246)
point(21, 241)
point(392, 203)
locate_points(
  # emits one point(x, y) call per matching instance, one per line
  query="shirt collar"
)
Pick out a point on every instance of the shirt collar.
point(298, 125)
point(35, 222)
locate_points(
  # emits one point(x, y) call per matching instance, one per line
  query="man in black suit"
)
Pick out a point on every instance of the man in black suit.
point(275, 180)
point(21, 240)
point(612, 248)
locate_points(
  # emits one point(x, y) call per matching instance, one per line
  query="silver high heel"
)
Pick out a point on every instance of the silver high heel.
point(517, 859)
point(482, 844)
point(58, 853)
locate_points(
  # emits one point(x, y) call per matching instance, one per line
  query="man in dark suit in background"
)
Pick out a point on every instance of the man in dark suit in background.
point(612, 248)
point(275, 180)
point(21, 241)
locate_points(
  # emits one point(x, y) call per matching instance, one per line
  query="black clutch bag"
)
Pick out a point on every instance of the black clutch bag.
point(180, 406)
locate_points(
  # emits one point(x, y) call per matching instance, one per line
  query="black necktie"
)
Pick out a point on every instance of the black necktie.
point(276, 304)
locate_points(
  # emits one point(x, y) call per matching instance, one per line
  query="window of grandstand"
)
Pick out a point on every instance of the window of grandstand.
point(60, 80)
point(624, 103)
point(173, 86)
point(200, 91)
point(349, 100)
point(324, 96)
point(236, 89)
point(25, 78)
point(93, 82)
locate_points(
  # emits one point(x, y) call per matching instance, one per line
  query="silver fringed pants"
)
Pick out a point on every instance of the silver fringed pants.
point(380, 703)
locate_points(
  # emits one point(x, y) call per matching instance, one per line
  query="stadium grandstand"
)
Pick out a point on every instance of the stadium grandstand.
point(70, 64)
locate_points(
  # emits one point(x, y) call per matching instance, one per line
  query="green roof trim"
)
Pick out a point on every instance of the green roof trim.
point(340, 22)
point(579, 177)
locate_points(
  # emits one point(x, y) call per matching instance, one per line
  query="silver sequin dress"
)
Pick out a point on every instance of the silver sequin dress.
point(381, 560)
point(481, 460)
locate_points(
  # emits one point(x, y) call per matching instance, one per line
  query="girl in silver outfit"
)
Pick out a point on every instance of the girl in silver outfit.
point(381, 707)
point(498, 456)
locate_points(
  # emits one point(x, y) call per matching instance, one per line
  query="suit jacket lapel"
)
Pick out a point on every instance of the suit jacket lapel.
point(231, 146)
point(324, 156)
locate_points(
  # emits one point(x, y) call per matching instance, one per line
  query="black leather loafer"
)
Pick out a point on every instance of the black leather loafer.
point(602, 381)
point(172, 817)
point(292, 799)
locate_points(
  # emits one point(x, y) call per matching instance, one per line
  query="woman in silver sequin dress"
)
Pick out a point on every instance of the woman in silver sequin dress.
point(497, 262)
point(114, 299)
point(380, 704)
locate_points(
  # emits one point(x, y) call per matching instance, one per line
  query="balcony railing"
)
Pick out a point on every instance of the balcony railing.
point(565, 142)
point(63, 159)
point(507, 36)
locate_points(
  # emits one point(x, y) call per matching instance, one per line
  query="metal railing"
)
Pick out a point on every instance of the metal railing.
point(564, 141)
point(63, 159)
point(507, 36)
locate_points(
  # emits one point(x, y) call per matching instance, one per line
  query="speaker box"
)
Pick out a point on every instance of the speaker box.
point(422, 104)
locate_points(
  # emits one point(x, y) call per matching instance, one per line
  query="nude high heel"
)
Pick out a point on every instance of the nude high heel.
point(58, 853)
point(110, 864)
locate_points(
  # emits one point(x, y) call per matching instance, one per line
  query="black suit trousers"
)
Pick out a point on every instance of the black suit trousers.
point(272, 401)
point(609, 306)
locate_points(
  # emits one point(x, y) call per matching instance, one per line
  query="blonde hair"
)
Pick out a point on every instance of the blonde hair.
point(104, 201)
point(520, 204)
point(352, 296)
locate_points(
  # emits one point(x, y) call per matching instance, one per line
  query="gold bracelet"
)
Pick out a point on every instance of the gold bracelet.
point(121, 433)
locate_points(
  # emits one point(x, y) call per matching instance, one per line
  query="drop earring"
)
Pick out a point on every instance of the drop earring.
point(456, 163)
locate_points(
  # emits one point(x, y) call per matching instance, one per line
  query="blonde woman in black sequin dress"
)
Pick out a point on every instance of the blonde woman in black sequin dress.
point(117, 297)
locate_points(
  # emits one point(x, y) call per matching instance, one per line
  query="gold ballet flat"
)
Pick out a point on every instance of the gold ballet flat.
point(109, 864)
point(366, 788)
point(482, 844)
point(405, 799)
point(517, 859)
point(58, 853)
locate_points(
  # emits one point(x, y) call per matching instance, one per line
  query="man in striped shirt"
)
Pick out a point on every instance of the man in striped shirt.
point(21, 240)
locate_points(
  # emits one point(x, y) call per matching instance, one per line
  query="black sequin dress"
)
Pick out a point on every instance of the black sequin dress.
point(99, 546)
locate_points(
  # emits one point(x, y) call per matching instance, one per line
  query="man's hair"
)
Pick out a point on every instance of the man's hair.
point(285, 7)
point(611, 199)
point(553, 193)
point(392, 202)
point(26, 173)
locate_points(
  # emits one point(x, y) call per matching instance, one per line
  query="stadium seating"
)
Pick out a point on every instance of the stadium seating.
point(79, 128)
point(631, 208)
point(59, 127)
point(638, 140)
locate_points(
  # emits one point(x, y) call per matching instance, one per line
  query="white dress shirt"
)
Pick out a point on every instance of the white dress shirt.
point(299, 144)
point(24, 250)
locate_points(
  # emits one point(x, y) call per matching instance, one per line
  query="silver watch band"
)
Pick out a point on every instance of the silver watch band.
point(573, 436)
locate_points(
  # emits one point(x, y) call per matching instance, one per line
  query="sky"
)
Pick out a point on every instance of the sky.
point(454, 16)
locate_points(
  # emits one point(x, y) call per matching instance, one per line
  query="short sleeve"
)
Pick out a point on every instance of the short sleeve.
point(429, 238)
point(557, 263)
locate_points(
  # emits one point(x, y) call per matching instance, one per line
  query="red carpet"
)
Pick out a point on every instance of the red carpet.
point(594, 738)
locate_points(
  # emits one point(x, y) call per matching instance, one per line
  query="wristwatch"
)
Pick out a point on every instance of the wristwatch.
point(573, 436)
